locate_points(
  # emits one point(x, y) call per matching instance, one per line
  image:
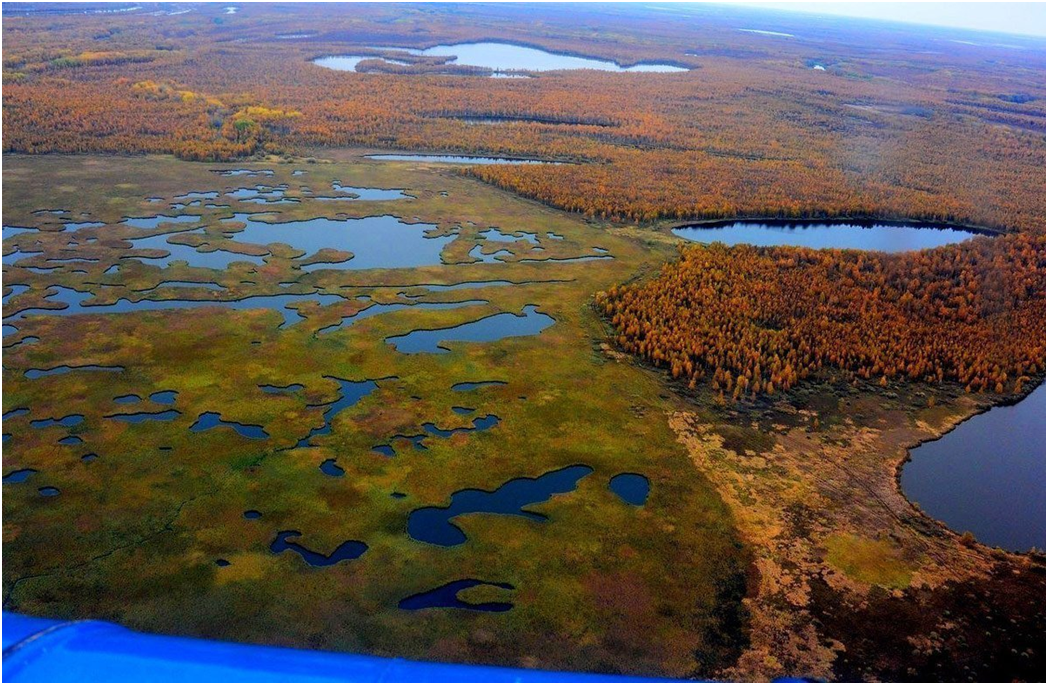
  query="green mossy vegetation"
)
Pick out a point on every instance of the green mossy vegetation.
point(876, 562)
point(135, 534)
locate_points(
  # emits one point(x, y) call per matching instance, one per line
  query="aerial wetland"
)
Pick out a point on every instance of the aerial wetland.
point(665, 341)
point(365, 385)
point(368, 451)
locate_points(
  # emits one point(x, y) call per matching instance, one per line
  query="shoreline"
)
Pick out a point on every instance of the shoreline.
point(1010, 401)
point(862, 220)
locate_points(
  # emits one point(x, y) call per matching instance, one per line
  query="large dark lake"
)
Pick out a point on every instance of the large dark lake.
point(987, 475)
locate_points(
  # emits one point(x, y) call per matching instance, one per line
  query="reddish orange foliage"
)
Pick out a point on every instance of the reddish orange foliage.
point(752, 320)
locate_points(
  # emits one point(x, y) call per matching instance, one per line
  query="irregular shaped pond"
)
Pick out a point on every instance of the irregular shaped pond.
point(281, 389)
point(15, 413)
point(11, 231)
point(198, 195)
point(855, 235)
point(495, 235)
point(475, 385)
point(210, 419)
point(416, 441)
point(164, 396)
point(377, 309)
point(350, 392)
point(67, 421)
point(218, 259)
point(376, 242)
point(77, 225)
point(28, 340)
point(33, 374)
point(632, 488)
point(503, 57)
point(481, 423)
point(49, 491)
point(17, 254)
point(362, 194)
point(16, 289)
point(262, 195)
point(489, 257)
point(446, 597)
point(75, 300)
point(496, 327)
point(480, 284)
point(350, 549)
point(20, 476)
point(330, 468)
point(987, 475)
point(434, 524)
point(152, 222)
point(143, 416)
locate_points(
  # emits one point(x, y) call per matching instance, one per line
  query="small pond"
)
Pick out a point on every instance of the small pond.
point(376, 309)
point(446, 597)
point(20, 476)
point(631, 488)
point(434, 524)
point(854, 235)
point(209, 420)
point(330, 467)
point(364, 194)
point(65, 421)
point(467, 386)
point(281, 389)
point(987, 475)
point(143, 416)
point(33, 374)
point(350, 549)
point(496, 327)
point(481, 423)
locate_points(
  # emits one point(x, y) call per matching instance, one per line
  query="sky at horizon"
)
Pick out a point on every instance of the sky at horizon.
point(1019, 18)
